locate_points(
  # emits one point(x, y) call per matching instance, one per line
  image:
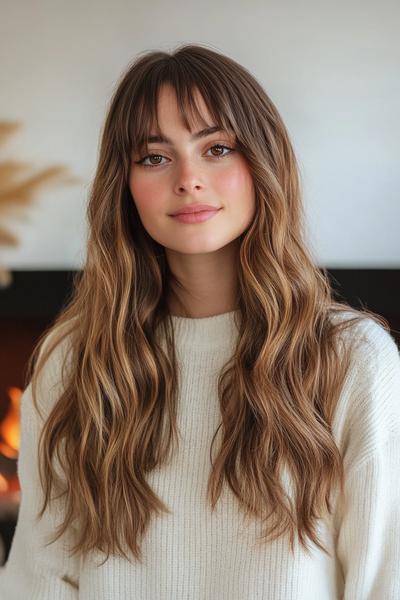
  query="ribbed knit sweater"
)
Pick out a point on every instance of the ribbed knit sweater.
point(196, 554)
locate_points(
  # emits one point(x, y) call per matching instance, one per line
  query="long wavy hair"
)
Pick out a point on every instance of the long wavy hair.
point(114, 418)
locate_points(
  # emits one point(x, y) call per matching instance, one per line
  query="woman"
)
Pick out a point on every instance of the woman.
point(213, 425)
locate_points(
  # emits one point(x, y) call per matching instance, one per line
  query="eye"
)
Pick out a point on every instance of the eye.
point(223, 148)
point(159, 156)
point(151, 156)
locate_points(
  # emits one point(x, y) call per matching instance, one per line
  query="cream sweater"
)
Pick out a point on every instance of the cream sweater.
point(194, 554)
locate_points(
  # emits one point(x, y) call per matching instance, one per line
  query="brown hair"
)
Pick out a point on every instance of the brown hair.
point(286, 372)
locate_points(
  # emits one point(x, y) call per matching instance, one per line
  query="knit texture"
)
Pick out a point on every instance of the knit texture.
point(196, 554)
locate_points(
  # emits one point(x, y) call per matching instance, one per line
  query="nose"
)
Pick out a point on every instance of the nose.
point(188, 179)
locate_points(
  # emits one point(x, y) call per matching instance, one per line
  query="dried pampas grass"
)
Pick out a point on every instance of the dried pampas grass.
point(19, 189)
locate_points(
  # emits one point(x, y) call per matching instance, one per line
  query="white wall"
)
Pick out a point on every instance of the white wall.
point(332, 69)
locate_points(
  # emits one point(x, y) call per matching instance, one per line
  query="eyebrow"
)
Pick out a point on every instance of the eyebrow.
point(159, 139)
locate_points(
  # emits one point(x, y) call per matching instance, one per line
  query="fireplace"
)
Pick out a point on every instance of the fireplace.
point(27, 308)
point(30, 304)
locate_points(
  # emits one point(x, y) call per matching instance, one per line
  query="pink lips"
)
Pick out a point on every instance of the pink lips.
point(196, 217)
point(194, 207)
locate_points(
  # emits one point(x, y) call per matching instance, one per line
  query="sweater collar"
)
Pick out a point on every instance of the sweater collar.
point(206, 332)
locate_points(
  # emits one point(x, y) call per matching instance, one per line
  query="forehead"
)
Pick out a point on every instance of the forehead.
point(162, 109)
point(189, 111)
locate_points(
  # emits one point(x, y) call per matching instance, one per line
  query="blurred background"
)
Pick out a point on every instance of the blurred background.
point(332, 70)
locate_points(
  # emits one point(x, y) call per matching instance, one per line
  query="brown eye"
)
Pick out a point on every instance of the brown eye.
point(154, 156)
point(150, 157)
point(218, 147)
point(221, 148)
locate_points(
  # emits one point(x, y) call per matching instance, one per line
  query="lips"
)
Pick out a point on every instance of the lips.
point(195, 208)
point(196, 217)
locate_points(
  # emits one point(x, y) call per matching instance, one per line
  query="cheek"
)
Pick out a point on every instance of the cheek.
point(236, 181)
point(145, 192)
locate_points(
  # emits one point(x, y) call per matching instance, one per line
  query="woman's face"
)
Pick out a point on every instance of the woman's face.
point(187, 170)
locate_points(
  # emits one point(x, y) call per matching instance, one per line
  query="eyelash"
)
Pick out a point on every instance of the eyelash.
point(141, 161)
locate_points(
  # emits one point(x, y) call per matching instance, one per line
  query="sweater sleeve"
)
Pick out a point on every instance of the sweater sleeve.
point(33, 570)
point(368, 526)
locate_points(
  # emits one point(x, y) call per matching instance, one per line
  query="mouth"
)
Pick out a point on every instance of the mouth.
point(195, 208)
point(196, 217)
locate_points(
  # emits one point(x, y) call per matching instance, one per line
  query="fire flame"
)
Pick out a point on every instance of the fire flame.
point(10, 426)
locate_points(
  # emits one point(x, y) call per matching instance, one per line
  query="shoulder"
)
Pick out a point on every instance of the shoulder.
point(373, 349)
point(368, 409)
